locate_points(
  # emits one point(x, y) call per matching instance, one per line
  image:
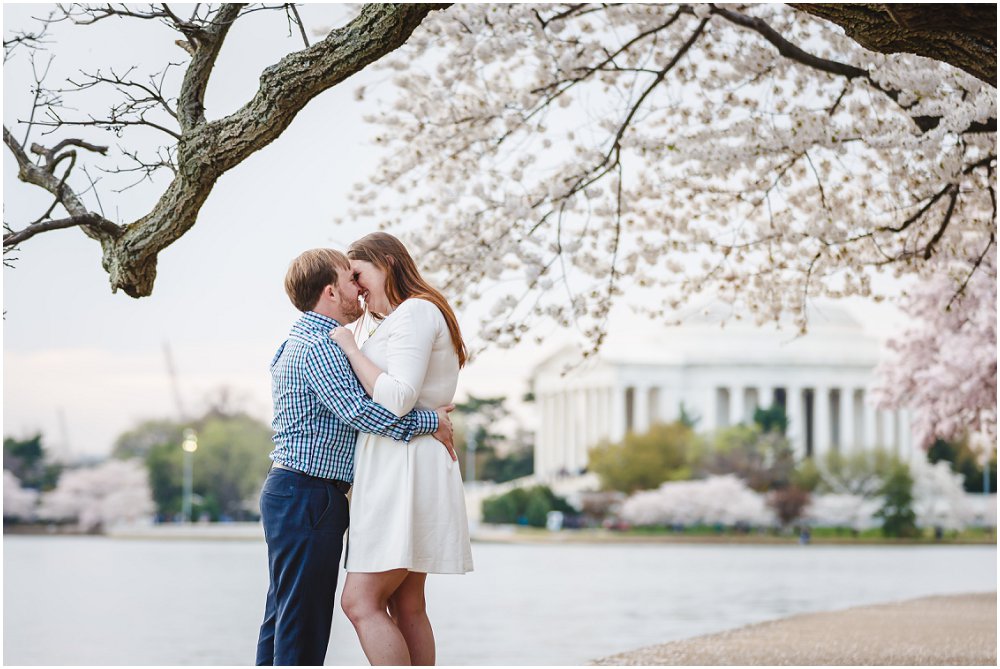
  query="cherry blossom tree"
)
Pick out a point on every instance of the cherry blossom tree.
point(559, 157)
point(848, 510)
point(724, 500)
point(18, 503)
point(768, 153)
point(939, 499)
point(945, 367)
point(100, 496)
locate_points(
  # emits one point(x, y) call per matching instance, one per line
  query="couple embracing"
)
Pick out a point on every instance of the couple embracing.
point(372, 421)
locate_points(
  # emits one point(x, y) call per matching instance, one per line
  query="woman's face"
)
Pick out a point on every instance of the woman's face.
point(371, 283)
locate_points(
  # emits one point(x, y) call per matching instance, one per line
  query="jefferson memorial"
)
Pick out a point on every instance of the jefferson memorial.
point(720, 375)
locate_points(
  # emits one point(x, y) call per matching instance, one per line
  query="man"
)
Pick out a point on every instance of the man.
point(319, 407)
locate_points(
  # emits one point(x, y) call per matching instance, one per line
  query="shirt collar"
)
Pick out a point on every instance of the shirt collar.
point(312, 321)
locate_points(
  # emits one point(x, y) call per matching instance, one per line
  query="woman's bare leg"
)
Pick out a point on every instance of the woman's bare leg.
point(365, 601)
point(409, 609)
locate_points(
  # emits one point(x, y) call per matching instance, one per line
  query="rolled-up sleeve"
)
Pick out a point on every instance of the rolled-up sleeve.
point(415, 326)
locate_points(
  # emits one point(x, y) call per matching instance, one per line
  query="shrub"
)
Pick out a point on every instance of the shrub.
point(898, 517)
point(643, 461)
point(525, 506)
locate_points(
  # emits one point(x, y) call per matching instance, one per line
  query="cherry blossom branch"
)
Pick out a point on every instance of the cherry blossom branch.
point(975, 268)
point(793, 52)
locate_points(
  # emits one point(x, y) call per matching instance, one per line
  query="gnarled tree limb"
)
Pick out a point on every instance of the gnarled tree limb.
point(960, 34)
point(207, 149)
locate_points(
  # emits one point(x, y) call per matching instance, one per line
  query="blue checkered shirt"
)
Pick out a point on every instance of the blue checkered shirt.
point(320, 406)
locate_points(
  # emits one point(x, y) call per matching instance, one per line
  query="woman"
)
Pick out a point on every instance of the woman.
point(408, 505)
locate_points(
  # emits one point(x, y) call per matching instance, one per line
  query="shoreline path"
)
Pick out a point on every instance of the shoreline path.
point(939, 630)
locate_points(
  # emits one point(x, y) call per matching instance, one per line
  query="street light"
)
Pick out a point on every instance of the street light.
point(189, 446)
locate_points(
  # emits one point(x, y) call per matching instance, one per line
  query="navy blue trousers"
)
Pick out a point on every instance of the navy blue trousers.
point(304, 523)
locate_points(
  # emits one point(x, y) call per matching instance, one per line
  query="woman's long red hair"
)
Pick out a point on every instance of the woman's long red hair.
point(403, 280)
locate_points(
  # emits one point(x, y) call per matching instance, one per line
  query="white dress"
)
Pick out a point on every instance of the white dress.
point(408, 502)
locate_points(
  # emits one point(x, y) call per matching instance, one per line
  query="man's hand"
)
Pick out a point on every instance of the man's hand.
point(445, 434)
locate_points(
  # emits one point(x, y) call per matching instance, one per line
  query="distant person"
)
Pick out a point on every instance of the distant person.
point(319, 407)
point(408, 516)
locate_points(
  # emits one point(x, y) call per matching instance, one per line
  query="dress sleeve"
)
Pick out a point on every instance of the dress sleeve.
point(414, 327)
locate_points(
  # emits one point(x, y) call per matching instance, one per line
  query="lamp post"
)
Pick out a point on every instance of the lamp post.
point(189, 446)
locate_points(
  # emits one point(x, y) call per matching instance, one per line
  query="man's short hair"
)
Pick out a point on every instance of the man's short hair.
point(310, 273)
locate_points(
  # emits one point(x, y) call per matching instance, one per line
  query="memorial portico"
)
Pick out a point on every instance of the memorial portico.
point(720, 377)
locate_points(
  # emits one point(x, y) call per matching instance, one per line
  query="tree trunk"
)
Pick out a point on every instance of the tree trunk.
point(962, 35)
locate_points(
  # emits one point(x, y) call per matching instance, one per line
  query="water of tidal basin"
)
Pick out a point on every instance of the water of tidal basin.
point(98, 601)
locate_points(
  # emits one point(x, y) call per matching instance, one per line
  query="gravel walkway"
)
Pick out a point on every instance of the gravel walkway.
point(944, 630)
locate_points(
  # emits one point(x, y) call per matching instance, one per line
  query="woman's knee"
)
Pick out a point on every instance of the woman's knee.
point(408, 605)
point(357, 605)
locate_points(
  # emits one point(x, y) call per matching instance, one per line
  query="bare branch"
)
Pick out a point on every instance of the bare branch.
point(191, 105)
point(98, 228)
point(295, 18)
point(87, 220)
point(29, 40)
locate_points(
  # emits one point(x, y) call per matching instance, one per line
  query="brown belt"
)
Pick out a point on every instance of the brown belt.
point(342, 486)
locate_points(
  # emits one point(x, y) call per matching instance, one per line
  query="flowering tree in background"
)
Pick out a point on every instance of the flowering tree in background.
point(18, 503)
point(843, 510)
point(945, 367)
point(862, 473)
point(557, 157)
point(97, 497)
point(939, 499)
point(724, 500)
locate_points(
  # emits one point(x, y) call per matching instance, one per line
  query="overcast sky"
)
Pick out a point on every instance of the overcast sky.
point(82, 365)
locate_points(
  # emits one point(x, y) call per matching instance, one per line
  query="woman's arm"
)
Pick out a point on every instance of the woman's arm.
point(366, 370)
point(415, 326)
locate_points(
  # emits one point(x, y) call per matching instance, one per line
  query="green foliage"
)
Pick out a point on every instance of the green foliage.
point(772, 419)
point(537, 511)
point(806, 475)
point(643, 461)
point(231, 463)
point(25, 458)
point(515, 465)
point(764, 460)
point(898, 517)
point(228, 468)
point(964, 461)
point(165, 464)
point(481, 414)
point(140, 441)
point(686, 417)
point(525, 506)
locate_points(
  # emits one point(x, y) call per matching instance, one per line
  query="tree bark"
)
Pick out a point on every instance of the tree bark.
point(962, 35)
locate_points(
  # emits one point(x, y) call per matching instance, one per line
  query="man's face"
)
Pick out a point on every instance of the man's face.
point(348, 289)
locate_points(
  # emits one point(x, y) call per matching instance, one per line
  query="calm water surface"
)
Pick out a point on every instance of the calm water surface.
point(90, 600)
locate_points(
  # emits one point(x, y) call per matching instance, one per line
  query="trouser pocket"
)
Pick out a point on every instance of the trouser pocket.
point(327, 510)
